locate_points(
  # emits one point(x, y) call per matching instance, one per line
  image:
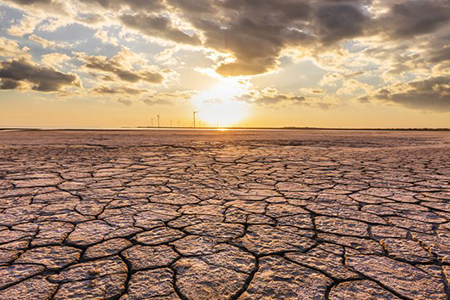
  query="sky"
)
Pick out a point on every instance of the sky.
point(277, 63)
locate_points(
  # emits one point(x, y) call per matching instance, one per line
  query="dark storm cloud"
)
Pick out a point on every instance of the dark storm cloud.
point(147, 5)
point(337, 22)
point(255, 32)
point(429, 94)
point(158, 26)
point(192, 6)
point(115, 67)
point(272, 9)
point(416, 17)
point(30, 2)
point(44, 79)
point(8, 84)
point(440, 54)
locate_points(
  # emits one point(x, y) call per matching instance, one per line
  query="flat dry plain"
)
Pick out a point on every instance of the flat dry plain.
point(224, 215)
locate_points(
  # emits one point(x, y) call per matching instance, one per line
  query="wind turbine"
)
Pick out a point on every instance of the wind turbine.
point(194, 113)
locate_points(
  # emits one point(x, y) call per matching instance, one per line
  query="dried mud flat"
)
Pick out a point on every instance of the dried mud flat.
point(224, 215)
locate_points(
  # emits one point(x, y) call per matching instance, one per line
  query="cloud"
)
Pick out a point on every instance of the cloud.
point(253, 35)
point(416, 17)
point(44, 79)
point(440, 54)
point(271, 96)
point(121, 67)
point(310, 92)
point(159, 27)
point(8, 84)
point(153, 102)
point(431, 94)
point(340, 21)
point(353, 86)
point(253, 32)
point(44, 42)
point(256, 33)
point(168, 98)
point(27, 25)
point(105, 38)
point(58, 7)
point(331, 79)
point(9, 48)
point(55, 59)
point(195, 7)
point(378, 42)
point(275, 98)
point(31, 2)
point(146, 5)
point(105, 90)
point(126, 102)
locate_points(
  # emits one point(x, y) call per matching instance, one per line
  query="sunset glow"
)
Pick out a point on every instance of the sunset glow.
point(220, 105)
point(276, 63)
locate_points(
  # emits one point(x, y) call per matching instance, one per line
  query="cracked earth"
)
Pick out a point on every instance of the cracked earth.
point(224, 215)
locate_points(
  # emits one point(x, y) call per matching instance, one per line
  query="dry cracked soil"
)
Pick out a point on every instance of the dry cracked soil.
point(224, 215)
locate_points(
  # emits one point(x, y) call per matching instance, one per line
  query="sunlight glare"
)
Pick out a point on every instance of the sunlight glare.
point(219, 105)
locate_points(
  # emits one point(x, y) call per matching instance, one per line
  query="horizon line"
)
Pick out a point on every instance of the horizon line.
point(125, 128)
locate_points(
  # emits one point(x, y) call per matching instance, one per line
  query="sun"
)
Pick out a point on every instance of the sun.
point(219, 106)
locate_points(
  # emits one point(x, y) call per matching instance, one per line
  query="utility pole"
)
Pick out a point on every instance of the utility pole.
point(158, 121)
point(194, 113)
point(152, 122)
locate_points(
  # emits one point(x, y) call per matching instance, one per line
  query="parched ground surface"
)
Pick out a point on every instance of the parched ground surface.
point(224, 215)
